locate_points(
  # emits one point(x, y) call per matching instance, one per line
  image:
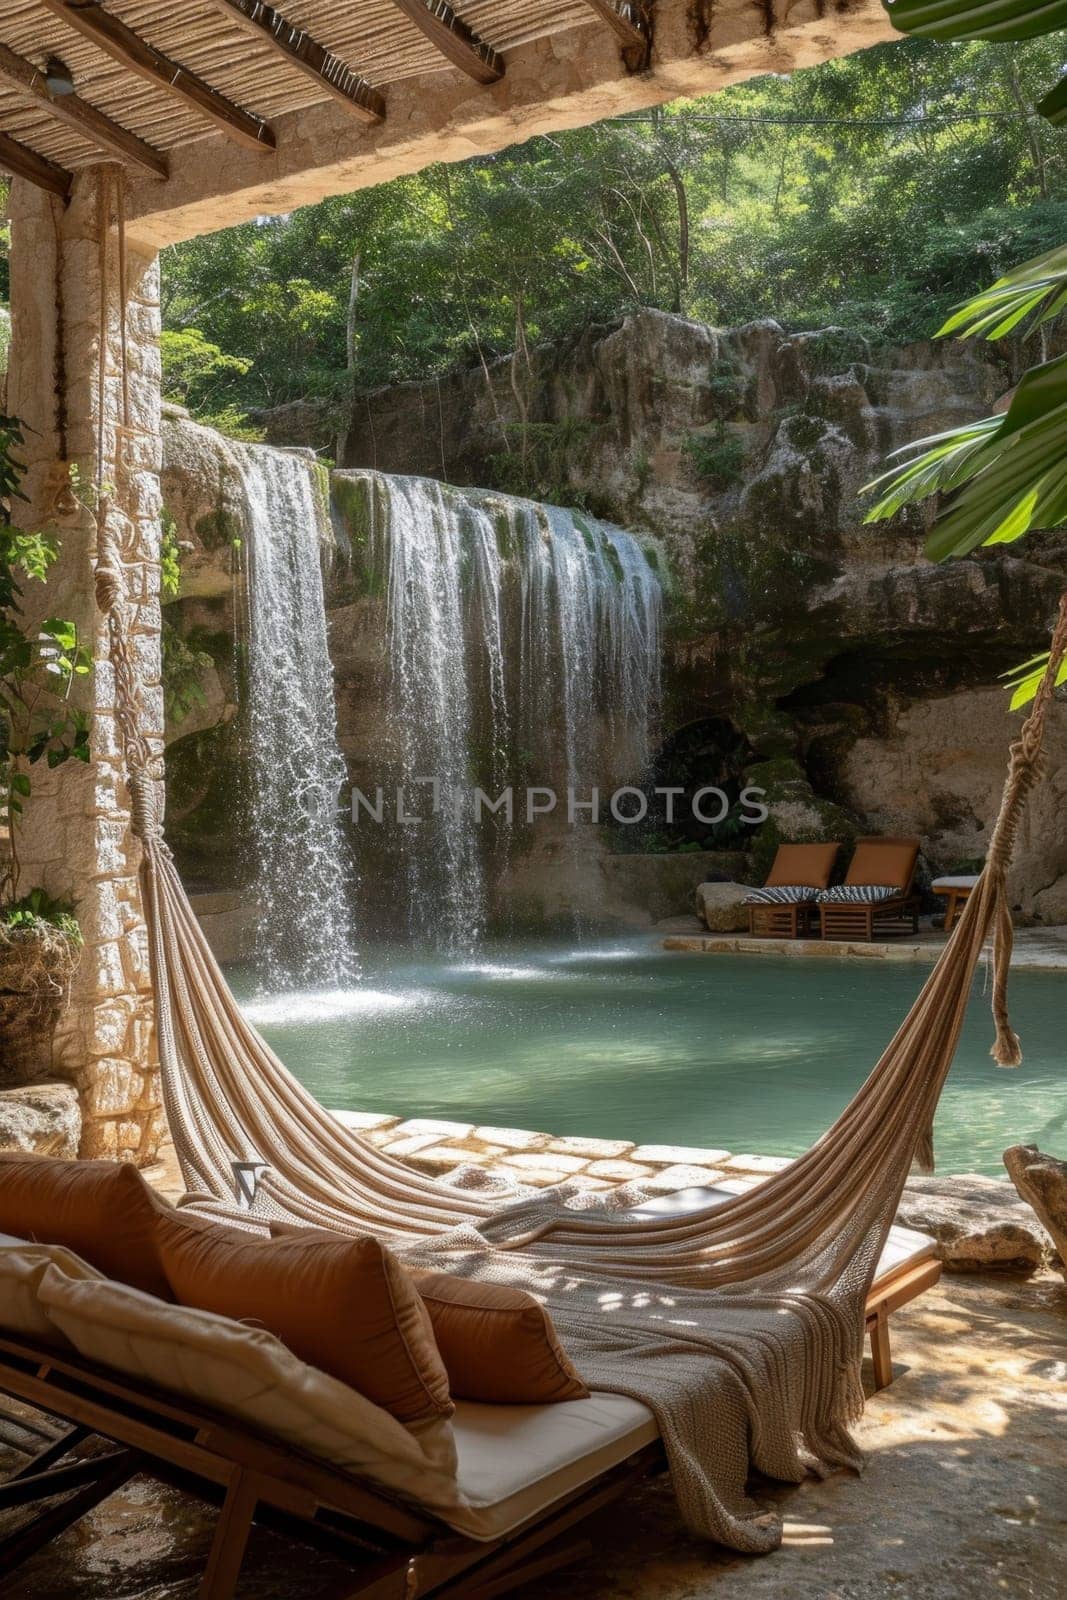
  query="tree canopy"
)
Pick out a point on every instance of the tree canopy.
point(872, 192)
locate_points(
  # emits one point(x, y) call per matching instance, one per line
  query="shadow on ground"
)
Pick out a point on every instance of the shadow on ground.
point(964, 1495)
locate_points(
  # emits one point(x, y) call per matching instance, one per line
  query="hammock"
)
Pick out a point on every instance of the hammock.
point(740, 1326)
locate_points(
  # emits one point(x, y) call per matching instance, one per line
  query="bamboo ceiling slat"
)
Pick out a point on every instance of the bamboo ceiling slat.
point(373, 37)
point(505, 24)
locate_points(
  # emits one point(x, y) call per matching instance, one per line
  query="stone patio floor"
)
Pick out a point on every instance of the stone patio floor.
point(1040, 949)
point(964, 1495)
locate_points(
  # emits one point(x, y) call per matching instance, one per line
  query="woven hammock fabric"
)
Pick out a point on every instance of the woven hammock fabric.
point(741, 1326)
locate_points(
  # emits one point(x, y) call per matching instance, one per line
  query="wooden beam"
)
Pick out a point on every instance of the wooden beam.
point(85, 119)
point(22, 162)
point(451, 35)
point(300, 50)
point(627, 18)
point(114, 38)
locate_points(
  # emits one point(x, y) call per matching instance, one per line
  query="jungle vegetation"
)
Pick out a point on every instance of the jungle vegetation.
point(872, 193)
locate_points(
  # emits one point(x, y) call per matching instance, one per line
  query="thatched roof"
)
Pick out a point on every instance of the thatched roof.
point(171, 72)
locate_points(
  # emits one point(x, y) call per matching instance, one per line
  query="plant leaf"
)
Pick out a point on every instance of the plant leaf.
point(1038, 285)
point(1003, 20)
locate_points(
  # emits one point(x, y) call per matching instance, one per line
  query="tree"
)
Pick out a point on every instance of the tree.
point(1005, 475)
point(873, 192)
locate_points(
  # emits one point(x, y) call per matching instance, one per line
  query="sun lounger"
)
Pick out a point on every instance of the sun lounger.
point(783, 908)
point(878, 892)
point(956, 891)
point(527, 1476)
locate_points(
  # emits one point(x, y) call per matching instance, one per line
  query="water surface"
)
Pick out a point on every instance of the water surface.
point(620, 1039)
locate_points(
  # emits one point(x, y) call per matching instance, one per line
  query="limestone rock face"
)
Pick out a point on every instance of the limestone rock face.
point(721, 906)
point(862, 681)
point(41, 1119)
point(1042, 1182)
point(980, 1224)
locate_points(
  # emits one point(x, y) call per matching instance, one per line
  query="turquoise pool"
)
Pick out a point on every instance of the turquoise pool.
point(620, 1039)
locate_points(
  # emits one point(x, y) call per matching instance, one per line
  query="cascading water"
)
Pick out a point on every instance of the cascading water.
point(523, 649)
point(302, 871)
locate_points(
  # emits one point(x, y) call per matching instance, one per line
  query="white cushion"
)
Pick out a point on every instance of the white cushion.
point(961, 881)
point(903, 1248)
point(515, 1461)
point(23, 1264)
point(249, 1374)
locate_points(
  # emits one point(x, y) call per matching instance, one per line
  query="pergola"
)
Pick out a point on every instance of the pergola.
point(130, 125)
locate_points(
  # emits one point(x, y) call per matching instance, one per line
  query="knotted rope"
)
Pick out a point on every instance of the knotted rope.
point(1026, 764)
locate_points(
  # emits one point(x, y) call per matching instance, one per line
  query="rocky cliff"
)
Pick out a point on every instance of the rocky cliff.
point(825, 661)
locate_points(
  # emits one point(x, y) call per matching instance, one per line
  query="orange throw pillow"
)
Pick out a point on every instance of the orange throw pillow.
point(343, 1305)
point(102, 1210)
point(498, 1344)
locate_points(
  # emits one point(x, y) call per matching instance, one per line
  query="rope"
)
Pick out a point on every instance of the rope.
point(1025, 767)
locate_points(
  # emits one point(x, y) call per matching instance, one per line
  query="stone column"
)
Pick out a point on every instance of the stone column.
point(65, 378)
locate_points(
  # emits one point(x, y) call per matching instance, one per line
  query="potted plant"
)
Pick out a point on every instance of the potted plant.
point(39, 937)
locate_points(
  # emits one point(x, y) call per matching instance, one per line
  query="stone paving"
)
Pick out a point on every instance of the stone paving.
point(1041, 949)
point(537, 1160)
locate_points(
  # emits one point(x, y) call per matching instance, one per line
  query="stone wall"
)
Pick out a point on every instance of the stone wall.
point(858, 681)
point(76, 841)
point(864, 679)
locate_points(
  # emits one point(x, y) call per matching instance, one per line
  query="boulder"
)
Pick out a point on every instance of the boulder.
point(1042, 1182)
point(980, 1224)
point(41, 1119)
point(720, 906)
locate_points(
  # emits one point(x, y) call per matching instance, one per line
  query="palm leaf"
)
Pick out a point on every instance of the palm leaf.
point(1025, 679)
point(1037, 286)
point(1054, 106)
point(1010, 471)
point(1003, 20)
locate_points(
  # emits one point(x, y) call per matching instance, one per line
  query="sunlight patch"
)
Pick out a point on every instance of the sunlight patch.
point(325, 1005)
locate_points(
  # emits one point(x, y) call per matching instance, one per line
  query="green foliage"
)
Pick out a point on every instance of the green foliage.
point(1005, 474)
point(1037, 289)
point(170, 558)
point(183, 670)
point(38, 909)
point(541, 460)
point(717, 457)
point(873, 192)
point(1001, 20)
point(38, 669)
point(195, 371)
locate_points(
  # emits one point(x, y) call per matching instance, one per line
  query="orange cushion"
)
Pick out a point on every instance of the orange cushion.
point(808, 865)
point(498, 1344)
point(102, 1210)
point(343, 1305)
point(886, 861)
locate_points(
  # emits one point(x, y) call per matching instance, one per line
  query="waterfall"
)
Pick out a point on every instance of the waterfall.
point(523, 647)
point(302, 875)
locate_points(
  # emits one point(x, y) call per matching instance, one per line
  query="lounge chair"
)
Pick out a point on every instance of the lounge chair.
point(783, 908)
point(878, 891)
point(528, 1475)
point(956, 891)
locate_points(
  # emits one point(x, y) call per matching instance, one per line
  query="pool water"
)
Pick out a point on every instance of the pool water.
point(620, 1039)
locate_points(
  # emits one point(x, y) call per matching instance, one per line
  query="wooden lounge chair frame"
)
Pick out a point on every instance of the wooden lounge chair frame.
point(788, 919)
point(858, 921)
point(792, 920)
point(955, 897)
point(395, 1552)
